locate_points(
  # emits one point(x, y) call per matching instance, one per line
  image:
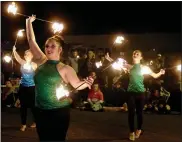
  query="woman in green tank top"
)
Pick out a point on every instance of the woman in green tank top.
point(52, 115)
point(136, 92)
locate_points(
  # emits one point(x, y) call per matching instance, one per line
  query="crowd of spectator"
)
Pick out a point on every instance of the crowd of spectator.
point(109, 88)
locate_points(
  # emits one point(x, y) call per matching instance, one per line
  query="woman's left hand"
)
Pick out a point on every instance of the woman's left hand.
point(162, 71)
point(89, 81)
point(14, 48)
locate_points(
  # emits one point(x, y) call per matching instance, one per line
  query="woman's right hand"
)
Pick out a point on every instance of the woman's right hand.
point(31, 18)
point(107, 56)
point(89, 81)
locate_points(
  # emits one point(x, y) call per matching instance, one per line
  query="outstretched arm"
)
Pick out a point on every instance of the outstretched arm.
point(17, 57)
point(39, 56)
point(127, 66)
point(73, 79)
point(157, 75)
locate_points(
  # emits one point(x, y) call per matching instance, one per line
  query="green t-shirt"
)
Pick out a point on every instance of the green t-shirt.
point(47, 79)
point(136, 80)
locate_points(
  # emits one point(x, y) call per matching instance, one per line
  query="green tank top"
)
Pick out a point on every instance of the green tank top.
point(136, 80)
point(47, 79)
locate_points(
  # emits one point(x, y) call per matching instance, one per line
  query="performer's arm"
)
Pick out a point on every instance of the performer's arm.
point(127, 66)
point(36, 51)
point(17, 57)
point(73, 79)
point(157, 75)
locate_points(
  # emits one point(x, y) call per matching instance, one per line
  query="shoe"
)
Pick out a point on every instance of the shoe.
point(33, 125)
point(132, 136)
point(138, 133)
point(23, 128)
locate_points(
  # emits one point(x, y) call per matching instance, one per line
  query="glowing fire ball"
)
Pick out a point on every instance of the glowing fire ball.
point(179, 67)
point(27, 66)
point(7, 59)
point(20, 33)
point(61, 92)
point(12, 8)
point(145, 70)
point(57, 27)
point(119, 40)
point(98, 64)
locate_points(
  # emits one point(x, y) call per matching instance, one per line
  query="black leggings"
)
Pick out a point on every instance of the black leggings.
point(135, 101)
point(27, 100)
point(52, 125)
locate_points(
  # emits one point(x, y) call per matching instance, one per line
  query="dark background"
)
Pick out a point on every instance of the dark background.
point(83, 18)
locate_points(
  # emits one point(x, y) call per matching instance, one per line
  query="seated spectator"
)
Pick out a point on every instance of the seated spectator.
point(153, 102)
point(119, 96)
point(8, 94)
point(163, 108)
point(96, 98)
point(164, 94)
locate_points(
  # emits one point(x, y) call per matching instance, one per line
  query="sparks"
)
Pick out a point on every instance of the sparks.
point(98, 64)
point(12, 8)
point(145, 70)
point(179, 67)
point(61, 92)
point(119, 39)
point(119, 64)
point(7, 58)
point(27, 66)
point(57, 28)
point(20, 33)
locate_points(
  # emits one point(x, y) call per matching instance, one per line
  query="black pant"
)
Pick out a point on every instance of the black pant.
point(52, 125)
point(27, 100)
point(135, 101)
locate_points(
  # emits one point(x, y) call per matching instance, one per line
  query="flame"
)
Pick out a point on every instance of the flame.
point(179, 67)
point(119, 39)
point(98, 64)
point(7, 58)
point(116, 66)
point(12, 8)
point(61, 92)
point(20, 33)
point(27, 66)
point(145, 70)
point(57, 27)
point(119, 65)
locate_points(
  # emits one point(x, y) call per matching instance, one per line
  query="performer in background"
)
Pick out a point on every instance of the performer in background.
point(136, 91)
point(27, 86)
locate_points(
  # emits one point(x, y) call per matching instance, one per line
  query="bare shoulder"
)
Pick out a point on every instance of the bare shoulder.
point(61, 66)
point(34, 64)
point(67, 68)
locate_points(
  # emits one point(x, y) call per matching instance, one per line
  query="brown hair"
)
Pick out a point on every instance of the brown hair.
point(58, 39)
